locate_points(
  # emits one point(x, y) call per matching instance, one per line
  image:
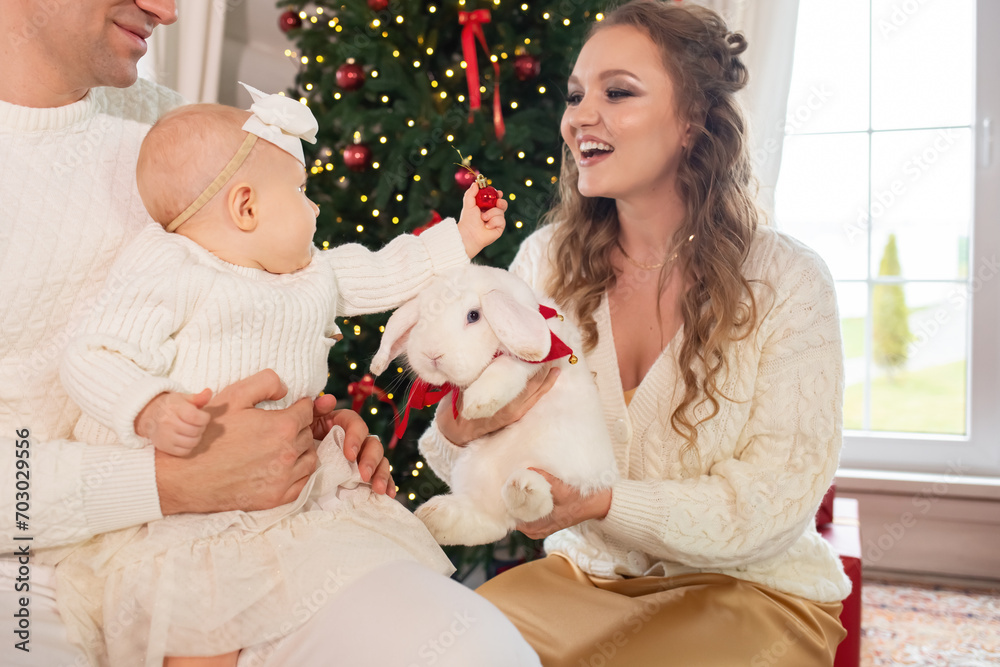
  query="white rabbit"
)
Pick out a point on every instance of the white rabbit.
point(480, 328)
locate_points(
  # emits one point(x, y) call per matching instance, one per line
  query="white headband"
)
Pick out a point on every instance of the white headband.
point(282, 121)
point(277, 119)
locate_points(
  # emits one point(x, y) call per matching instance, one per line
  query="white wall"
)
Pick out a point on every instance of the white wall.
point(254, 52)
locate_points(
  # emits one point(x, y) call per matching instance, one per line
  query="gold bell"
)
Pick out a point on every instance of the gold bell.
point(573, 359)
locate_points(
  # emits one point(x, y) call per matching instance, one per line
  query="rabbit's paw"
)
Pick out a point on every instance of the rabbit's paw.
point(482, 399)
point(527, 495)
point(454, 520)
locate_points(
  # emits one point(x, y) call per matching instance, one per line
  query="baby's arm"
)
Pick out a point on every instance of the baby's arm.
point(174, 422)
point(480, 228)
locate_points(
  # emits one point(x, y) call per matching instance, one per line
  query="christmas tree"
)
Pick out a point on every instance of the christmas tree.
point(403, 90)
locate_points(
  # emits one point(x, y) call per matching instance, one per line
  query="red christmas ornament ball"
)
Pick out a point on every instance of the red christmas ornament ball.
point(527, 67)
point(350, 76)
point(465, 178)
point(289, 19)
point(378, 5)
point(487, 198)
point(357, 157)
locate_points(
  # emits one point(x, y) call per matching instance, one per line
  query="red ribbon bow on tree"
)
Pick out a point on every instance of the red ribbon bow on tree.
point(359, 393)
point(473, 22)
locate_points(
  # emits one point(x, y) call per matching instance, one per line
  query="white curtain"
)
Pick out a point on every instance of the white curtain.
point(769, 27)
point(187, 56)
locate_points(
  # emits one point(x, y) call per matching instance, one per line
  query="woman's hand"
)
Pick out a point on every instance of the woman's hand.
point(463, 431)
point(570, 507)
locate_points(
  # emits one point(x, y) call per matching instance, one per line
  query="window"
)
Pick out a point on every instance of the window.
point(885, 172)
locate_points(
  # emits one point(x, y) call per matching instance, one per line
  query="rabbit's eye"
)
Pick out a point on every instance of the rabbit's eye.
point(472, 317)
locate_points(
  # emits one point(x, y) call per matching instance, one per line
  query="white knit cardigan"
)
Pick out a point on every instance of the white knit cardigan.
point(746, 506)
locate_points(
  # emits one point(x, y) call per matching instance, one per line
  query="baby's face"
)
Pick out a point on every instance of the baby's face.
point(284, 238)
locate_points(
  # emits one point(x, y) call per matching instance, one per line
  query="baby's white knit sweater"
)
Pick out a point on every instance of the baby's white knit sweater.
point(68, 205)
point(746, 507)
point(174, 317)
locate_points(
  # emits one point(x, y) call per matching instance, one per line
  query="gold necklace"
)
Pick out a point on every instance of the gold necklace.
point(650, 267)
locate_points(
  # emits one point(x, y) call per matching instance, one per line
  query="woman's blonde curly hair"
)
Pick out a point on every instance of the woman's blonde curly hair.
point(714, 179)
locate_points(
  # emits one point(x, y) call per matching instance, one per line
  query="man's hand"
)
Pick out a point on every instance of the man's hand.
point(461, 431)
point(480, 228)
point(248, 459)
point(174, 422)
point(358, 444)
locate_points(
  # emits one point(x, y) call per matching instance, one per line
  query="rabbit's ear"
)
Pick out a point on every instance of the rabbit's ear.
point(522, 330)
point(397, 331)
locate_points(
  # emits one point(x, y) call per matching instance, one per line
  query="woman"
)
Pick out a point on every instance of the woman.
point(716, 348)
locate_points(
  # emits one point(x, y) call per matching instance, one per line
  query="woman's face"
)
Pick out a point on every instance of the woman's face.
point(621, 120)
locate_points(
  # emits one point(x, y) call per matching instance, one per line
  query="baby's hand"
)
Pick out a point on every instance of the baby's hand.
point(174, 422)
point(480, 228)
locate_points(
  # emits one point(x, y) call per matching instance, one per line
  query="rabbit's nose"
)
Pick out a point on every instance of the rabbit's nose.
point(433, 357)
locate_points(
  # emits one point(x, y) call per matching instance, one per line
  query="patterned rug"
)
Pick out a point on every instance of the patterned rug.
point(929, 626)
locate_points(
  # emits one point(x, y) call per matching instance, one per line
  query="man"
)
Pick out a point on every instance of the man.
point(72, 117)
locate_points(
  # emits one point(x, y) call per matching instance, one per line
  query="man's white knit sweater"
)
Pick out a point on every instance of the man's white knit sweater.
point(745, 506)
point(68, 205)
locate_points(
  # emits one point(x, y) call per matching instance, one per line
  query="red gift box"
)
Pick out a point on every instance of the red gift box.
point(844, 534)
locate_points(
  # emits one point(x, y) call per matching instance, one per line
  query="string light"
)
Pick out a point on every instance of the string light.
point(336, 96)
point(527, 182)
point(541, 90)
point(374, 411)
point(360, 228)
point(520, 154)
point(382, 140)
point(313, 19)
point(550, 160)
point(513, 105)
point(432, 9)
point(353, 365)
point(375, 165)
point(309, 86)
point(319, 59)
point(364, 198)
point(518, 224)
point(326, 245)
point(420, 464)
point(375, 213)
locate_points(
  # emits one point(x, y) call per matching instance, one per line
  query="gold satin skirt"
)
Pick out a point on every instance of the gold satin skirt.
point(691, 620)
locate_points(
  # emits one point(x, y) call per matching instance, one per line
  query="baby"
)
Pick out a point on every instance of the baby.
point(232, 284)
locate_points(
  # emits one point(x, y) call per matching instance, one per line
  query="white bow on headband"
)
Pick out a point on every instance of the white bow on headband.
point(281, 121)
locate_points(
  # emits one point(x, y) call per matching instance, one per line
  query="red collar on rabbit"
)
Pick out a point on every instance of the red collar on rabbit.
point(557, 349)
point(423, 394)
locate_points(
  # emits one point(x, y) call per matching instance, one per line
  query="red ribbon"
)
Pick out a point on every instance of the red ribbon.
point(422, 395)
point(558, 349)
point(359, 393)
point(473, 22)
